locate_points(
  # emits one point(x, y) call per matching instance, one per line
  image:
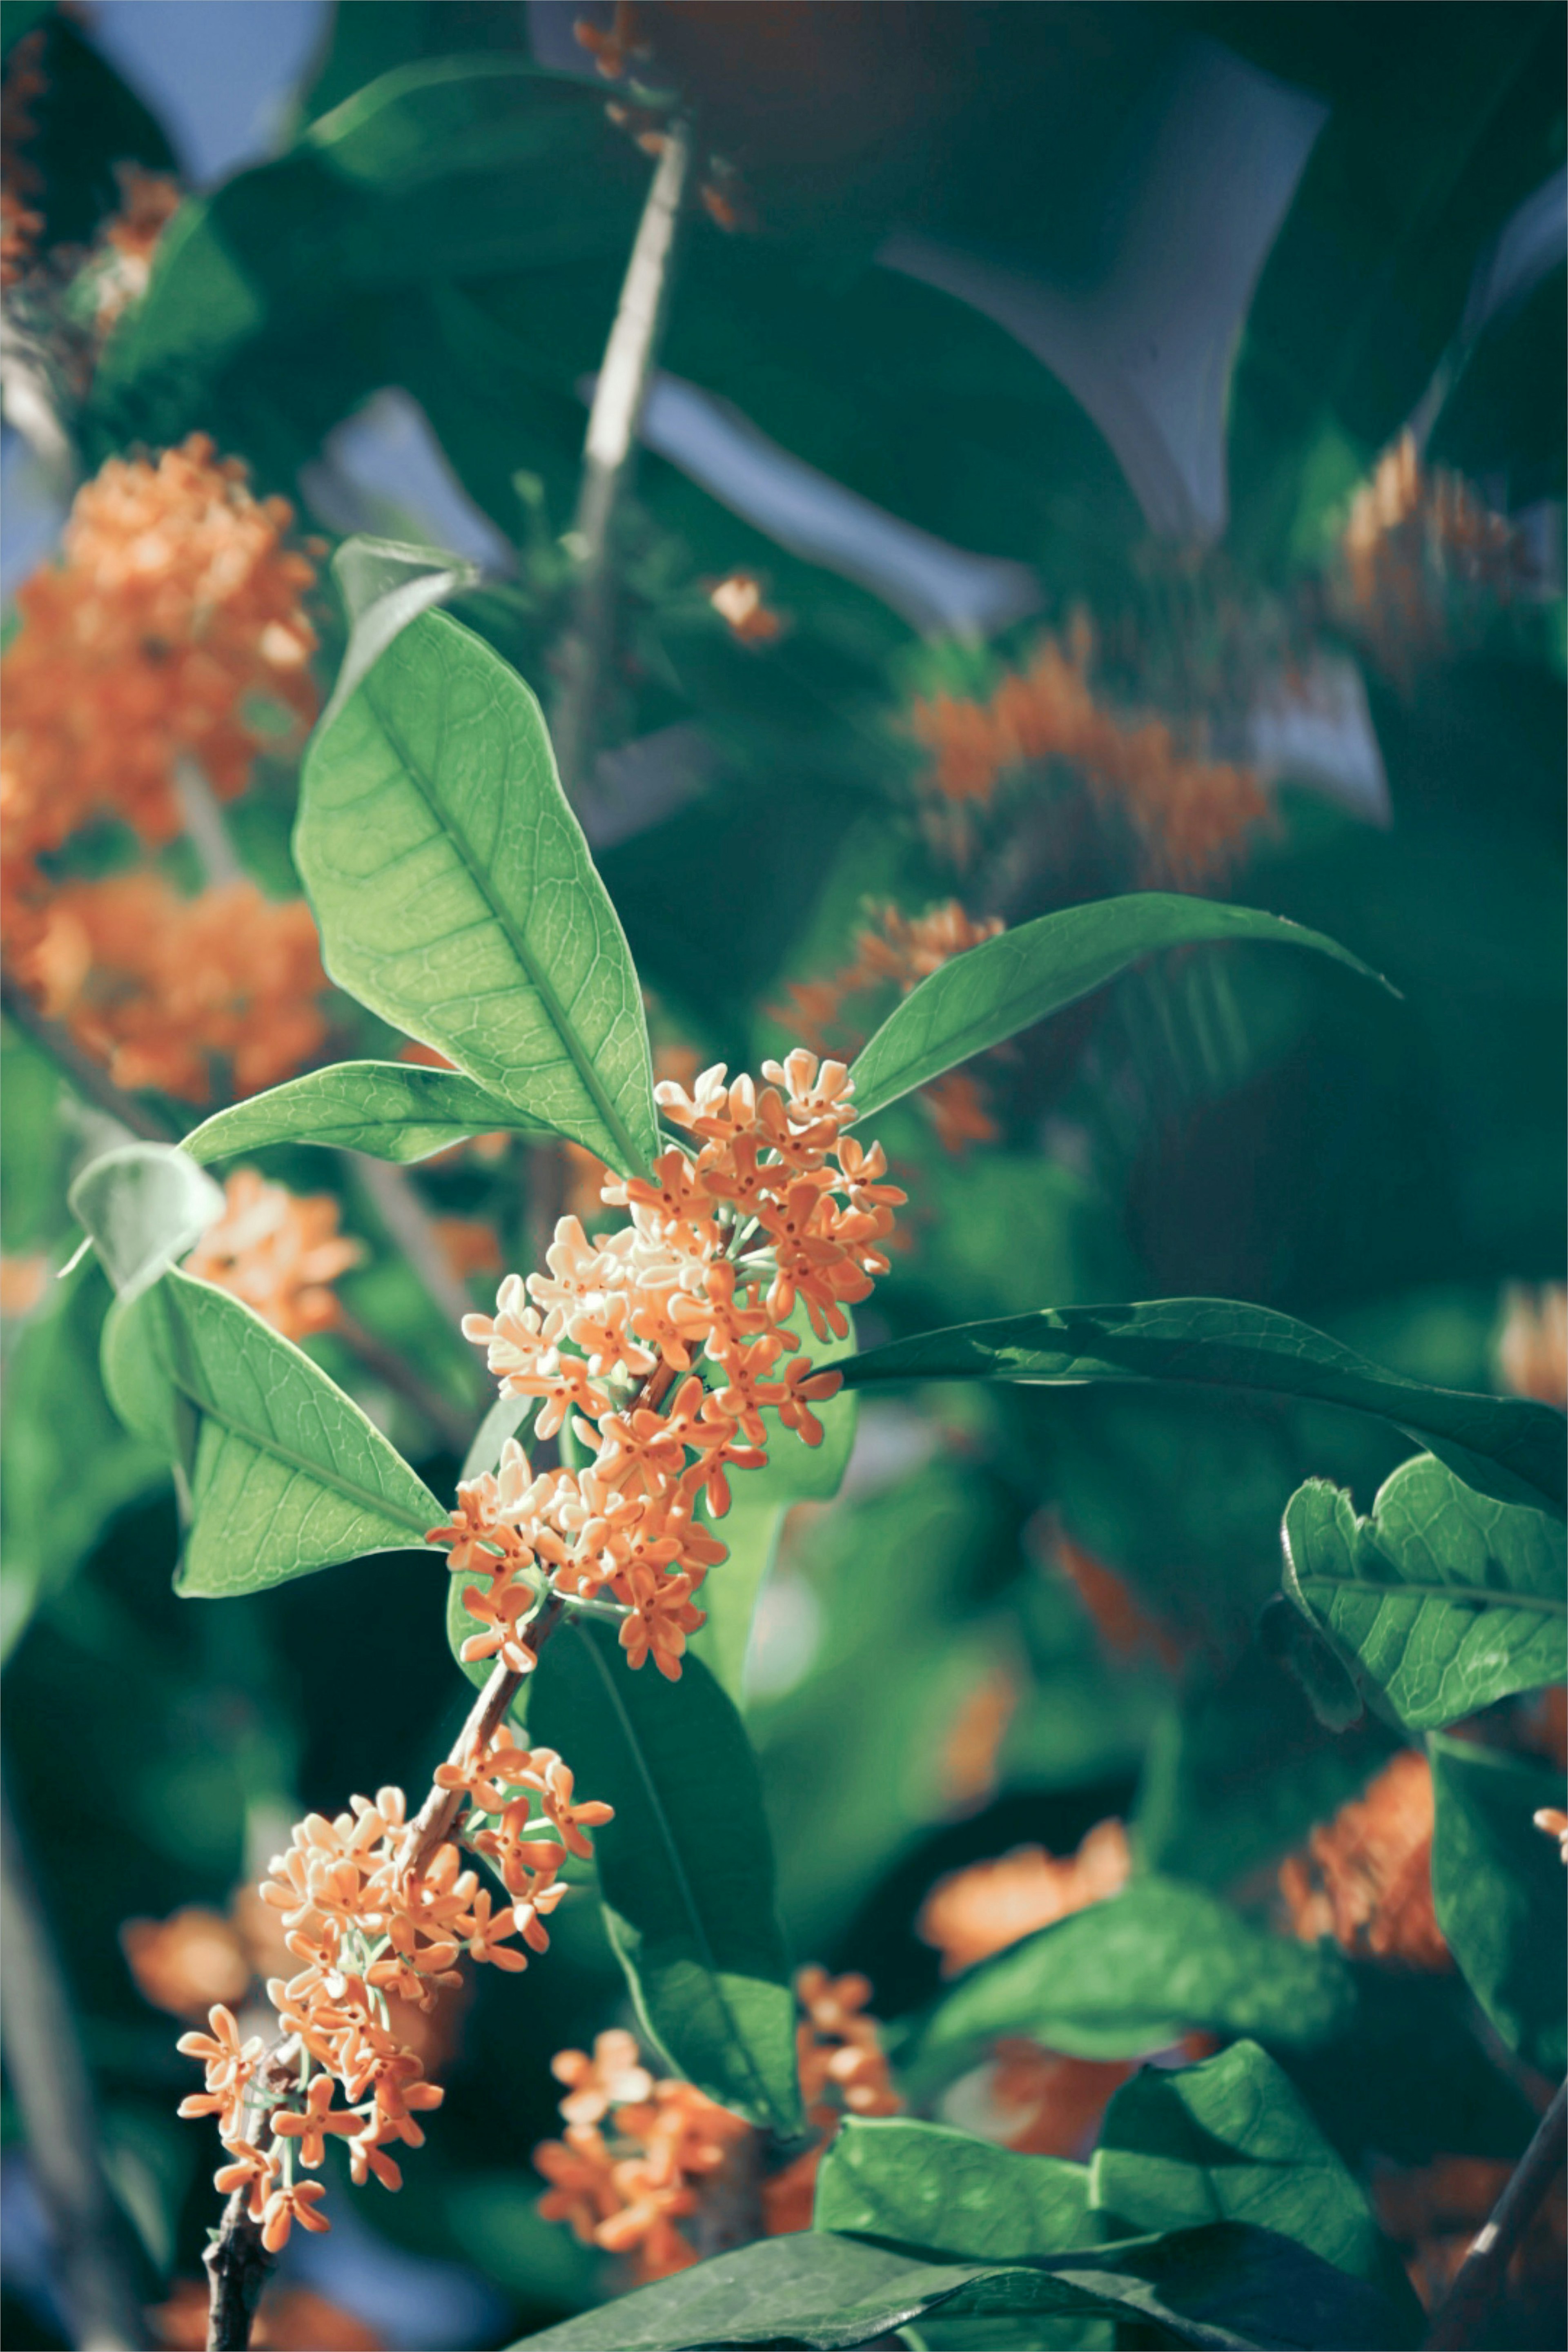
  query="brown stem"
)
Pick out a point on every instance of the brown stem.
point(387, 1364)
point(608, 451)
point(89, 1077)
point(1462, 2318)
point(48, 2075)
point(238, 2266)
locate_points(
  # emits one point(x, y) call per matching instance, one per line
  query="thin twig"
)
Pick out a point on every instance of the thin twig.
point(1463, 2317)
point(413, 1228)
point(89, 1077)
point(452, 1426)
point(42, 2058)
point(206, 828)
point(607, 452)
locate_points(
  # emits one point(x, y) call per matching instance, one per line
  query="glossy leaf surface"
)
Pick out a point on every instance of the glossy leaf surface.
point(1131, 1974)
point(1506, 1446)
point(950, 2193)
point(686, 1868)
point(1497, 1887)
point(456, 898)
point(1443, 1600)
point(991, 992)
point(285, 1474)
point(394, 1110)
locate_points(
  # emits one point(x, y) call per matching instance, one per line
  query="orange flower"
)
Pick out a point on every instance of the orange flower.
point(148, 202)
point(1532, 1347)
point(980, 1909)
point(287, 2206)
point(1555, 1823)
point(278, 1251)
point(175, 606)
point(1366, 1877)
point(973, 1739)
point(1053, 2104)
point(1125, 1627)
point(186, 1962)
point(1417, 549)
point(24, 1280)
point(290, 2319)
point(612, 2076)
point(738, 600)
point(21, 227)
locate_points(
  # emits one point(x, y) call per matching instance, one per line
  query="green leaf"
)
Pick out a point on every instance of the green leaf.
point(990, 993)
point(394, 1110)
point(1131, 1975)
point(385, 584)
point(760, 1502)
point(949, 2193)
point(686, 1868)
point(824, 2291)
point(144, 1206)
point(284, 1472)
point(1230, 2140)
point(1443, 1600)
point(1505, 1447)
point(456, 896)
point(1497, 1887)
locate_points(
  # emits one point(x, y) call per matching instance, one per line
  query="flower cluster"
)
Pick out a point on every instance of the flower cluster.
point(21, 225)
point(218, 992)
point(280, 1252)
point(1533, 1345)
point(619, 1340)
point(843, 2071)
point(1366, 1877)
point(635, 2157)
point(739, 599)
point(899, 950)
point(376, 1919)
point(980, 1909)
point(123, 265)
point(1421, 558)
point(1189, 816)
point(177, 606)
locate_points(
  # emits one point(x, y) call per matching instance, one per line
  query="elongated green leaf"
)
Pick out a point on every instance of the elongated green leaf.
point(456, 895)
point(1497, 1886)
point(1443, 1600)
point(1224, 2286)
point(394, 1110)
point(686, 1868)
point(385, 584)
point(1505, 1447)
point(949, 2193)
point(284, 1472)
point(760, 1501)
point(144, 1206)
point(1131, 1974)
point(1230, 2140)
point(977, 999)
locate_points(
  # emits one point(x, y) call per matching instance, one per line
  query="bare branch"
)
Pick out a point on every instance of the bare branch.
point(1464, 2316)
point(89, 1077)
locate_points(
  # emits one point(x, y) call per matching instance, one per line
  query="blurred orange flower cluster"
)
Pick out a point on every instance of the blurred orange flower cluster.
point(1412, 539)
point(1366, 1877)
point(1189, 817)
point(148, 202)
point(638, 2156)
point(278, 1251)
point(1532, 1346)
point(175, 609)
point(978, 1910)
point(21, 226)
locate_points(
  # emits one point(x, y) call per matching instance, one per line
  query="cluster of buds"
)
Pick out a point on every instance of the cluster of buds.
point(1189, 817)
point(377, 1918)
point(663, 1345)
point(899, 950)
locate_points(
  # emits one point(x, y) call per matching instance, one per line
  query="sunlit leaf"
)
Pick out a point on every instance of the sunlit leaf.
point(144, 1206)
point(1505, 1447)
point(1132, 1974)
point(1222, 2286)
point(949, 2193)
point(1497, 1886)
point(1443, 1600)
point(394, 1110)
point(1230, 2140)
point(686, 1868)
point(385, 584)
point(456, 896)
point(990, 993)
point(284, 1473)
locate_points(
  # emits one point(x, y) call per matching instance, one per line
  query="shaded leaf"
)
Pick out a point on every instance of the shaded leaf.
point(1443, 1600)
point(284, 1473)
point(1131, 1975)
point(686, 1868)
point(456, 896)
point(1505, 1447)
point(144, 1206)
point(990, 993)
point(1230, 2140)
point(949, 2193)
point(385, 584)
point(1497, 1887)
point(394, 1110)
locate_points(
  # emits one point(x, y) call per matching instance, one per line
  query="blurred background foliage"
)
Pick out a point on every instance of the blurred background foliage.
point(1095, 448)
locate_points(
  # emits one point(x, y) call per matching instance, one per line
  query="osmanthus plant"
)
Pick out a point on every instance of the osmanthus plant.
point(593, 1597)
